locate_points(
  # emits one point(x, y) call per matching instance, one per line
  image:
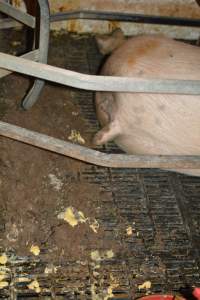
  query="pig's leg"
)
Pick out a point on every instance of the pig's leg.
point(108, 133)
point(106, 114)
point(104, 107)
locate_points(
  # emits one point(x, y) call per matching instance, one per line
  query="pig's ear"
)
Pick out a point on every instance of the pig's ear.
point(107, 44)
point(118, 33)
point(106, 134)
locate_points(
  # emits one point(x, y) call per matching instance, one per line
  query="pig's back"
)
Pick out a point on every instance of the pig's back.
point(157, 123)
point(154, 57)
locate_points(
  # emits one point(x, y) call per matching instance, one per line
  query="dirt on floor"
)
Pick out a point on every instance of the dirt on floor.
point(37, 187)
point(71, 229)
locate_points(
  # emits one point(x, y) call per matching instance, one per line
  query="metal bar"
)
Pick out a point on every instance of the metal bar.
point(113, 16)
point(198, 2)
point(6, 23)
point(17, 14)
point(95, 157)
point(44, 29)
point(124, 17)
point(98, 83)
point(33, 55)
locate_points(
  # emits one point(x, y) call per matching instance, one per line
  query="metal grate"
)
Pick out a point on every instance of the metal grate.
point(164, 206)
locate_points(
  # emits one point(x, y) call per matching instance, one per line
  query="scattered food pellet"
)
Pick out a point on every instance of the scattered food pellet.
point(97, 266)
point(55, 182)
point(50, 269)
point(80, 216)
point(72, 216)
point(2, 277)
point(3, 259)
point(109, 254)
point(129, 230)
point(75, 113)
point(3, 284)
point(4, 270)
point(109, 293)
point(103, 295)
point(35, 250)
point(146, 285)
point(96, 256)
point(23, 279)
point(13, 234)
point(34, 285)
point(94, 226)
point(95, 274)
point(76, 137)
point(16, 43)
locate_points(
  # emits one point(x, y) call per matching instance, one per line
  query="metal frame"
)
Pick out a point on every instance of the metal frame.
point(98, 83)
point(96, 157)
point(17, 14)
point(112, 16)
point(42, 51)
point(123, 17)
point(90, 82)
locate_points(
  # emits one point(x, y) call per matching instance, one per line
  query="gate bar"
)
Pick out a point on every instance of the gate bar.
point(112, 16)
point(32, 55)
point(96, 157)
point(123, 17)
point(98, 83)
point(17, 14)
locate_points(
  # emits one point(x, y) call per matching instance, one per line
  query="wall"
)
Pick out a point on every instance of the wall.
point(175, 8)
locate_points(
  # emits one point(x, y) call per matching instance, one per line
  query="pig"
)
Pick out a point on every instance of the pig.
point(150, 124)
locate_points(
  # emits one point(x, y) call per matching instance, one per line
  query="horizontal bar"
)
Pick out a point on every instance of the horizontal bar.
point(95, 157)
point(17, 14)
point(112, 16)
point(33, 55)
point(123, 17)
point(6, 23)
point(98, 83)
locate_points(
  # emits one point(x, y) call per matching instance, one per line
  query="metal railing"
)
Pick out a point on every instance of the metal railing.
point(27, 65)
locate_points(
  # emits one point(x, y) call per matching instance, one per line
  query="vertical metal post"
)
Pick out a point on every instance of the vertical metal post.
point(44, 24)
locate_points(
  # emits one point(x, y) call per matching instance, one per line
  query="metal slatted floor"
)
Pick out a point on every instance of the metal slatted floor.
point(163, 208)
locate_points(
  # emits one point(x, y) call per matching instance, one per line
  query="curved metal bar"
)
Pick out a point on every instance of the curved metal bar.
point(32, 55)
point(38, 85)
point(124, 17)
point(99, 83)
point(96, 157)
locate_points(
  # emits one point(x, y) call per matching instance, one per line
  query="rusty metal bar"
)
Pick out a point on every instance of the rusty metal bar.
point(98, 83)
point(17, 14)
point(95, 157)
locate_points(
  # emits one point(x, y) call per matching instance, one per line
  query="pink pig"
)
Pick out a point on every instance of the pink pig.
point(150, 124)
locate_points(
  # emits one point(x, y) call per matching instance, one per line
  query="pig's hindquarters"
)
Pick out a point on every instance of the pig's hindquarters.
point(149, 124)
